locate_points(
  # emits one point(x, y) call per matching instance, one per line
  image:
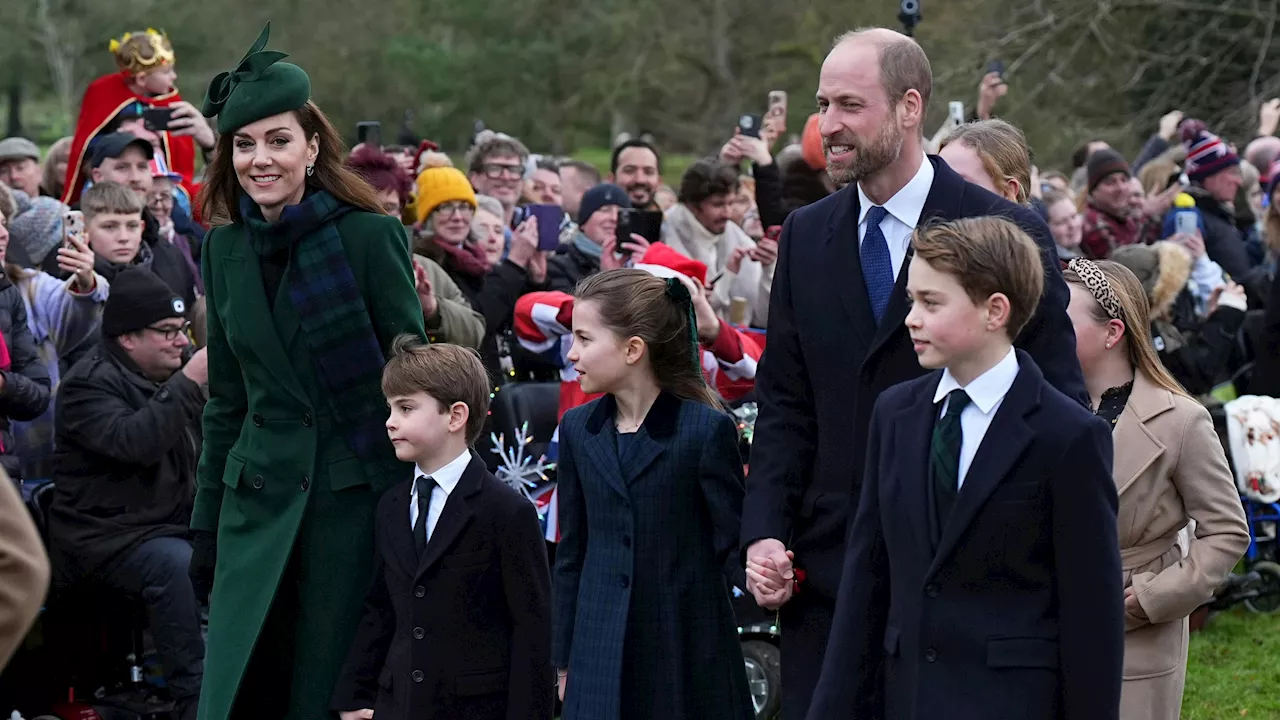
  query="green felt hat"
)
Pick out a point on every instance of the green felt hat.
point(259, 87)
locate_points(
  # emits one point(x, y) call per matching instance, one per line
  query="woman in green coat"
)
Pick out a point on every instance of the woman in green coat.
point(307, 284)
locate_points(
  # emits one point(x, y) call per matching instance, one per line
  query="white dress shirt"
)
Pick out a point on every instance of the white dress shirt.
point(902, 213)
point(446, 479)
point(986, 392)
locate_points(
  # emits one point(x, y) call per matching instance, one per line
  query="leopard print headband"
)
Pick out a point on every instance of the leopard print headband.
point(1096, 283)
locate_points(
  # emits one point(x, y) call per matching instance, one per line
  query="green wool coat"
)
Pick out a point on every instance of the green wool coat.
point(276, 476)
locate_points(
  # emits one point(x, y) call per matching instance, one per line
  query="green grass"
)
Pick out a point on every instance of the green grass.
point(1233, 670)
point(673, 166)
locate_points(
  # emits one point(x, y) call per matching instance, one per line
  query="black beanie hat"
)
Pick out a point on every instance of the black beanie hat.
point(139, 299)
point(1105, 163)
point(600, 196)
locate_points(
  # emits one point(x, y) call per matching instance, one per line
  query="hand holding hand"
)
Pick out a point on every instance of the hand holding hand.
point(770, 573)
point(186, 120)
point(75, 258)
point(992, 88)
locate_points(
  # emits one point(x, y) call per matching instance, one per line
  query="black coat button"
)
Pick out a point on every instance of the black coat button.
point(417, 676)
point(931, 655)
point(306, 483)
point(306, 419)
point(419, 633)
point(257, 420)
point(419, 591)
point(257, 482)
point(625, 582)
point(931, 590)
point(626, 541)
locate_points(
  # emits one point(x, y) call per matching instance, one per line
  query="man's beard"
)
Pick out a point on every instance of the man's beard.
point(867, 159)
point(635, 190)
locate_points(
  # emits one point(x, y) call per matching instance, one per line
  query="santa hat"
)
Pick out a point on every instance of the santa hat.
point(1207, 154)
point(662, 258)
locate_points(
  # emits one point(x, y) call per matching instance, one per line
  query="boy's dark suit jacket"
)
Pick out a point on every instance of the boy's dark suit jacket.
point(464, 630)
point(1019, 612)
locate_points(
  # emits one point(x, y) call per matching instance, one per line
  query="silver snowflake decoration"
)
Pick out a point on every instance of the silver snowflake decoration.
point(520, 472)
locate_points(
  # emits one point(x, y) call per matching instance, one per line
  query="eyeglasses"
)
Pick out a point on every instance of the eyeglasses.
point(171, 333)
point(449, 209)
point(493, 171)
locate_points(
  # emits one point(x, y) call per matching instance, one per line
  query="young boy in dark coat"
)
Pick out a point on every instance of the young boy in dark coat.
point(458, 621)
point(982, 578)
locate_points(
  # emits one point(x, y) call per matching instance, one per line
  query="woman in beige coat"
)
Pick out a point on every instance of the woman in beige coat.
point(1169, 469)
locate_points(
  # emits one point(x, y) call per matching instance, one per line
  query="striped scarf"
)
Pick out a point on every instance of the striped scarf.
point(334, 318)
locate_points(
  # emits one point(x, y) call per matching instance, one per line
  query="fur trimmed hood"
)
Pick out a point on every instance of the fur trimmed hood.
point(1163, 268)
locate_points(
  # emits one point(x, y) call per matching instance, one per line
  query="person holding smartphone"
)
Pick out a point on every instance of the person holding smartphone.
point(595, 246)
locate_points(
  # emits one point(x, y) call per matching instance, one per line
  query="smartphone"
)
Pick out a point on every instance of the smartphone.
point(645, 223)
point(157, 119)
point(776, 116)
point(997, 67)
point(369, 132)
point(1186, 222)
point(749, 125)
point(72, 225)
point(955, 112)
point(549, 219)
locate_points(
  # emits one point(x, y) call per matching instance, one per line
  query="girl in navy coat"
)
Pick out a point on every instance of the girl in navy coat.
point(651, 487)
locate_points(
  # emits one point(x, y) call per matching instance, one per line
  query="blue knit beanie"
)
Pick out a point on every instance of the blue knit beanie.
point(599, 196)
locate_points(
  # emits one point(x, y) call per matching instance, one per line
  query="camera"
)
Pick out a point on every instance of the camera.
point(909, 13)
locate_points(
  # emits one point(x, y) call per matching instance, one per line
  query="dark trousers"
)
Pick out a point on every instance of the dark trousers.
point(156, 572)
point(806, 622)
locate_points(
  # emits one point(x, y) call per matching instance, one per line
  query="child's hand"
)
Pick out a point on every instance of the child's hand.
point(365, 714)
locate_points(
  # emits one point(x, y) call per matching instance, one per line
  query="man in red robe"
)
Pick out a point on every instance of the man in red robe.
point(145, 79)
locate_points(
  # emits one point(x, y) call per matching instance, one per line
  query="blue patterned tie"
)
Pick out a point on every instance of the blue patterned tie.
point(877, 266)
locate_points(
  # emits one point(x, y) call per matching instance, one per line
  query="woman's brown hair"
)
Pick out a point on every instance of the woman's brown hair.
point(1003, 150)
point(633, 303)
point(1135, 313)
point(219, 199)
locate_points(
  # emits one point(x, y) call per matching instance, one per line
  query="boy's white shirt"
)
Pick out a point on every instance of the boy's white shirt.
point(446, 479)
point(986, 393)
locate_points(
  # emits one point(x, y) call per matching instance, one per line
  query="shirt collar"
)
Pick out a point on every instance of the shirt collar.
point(446, 477)
point(908, 203)
point(985, 390)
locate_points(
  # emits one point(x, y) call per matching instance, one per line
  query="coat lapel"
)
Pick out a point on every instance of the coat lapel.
point(455, 517)
point(244, 282)
point(1136, 447)
point(1002, 445)
point(600, 447)
point(845, 267)
point(659, 424)
point(911, 444)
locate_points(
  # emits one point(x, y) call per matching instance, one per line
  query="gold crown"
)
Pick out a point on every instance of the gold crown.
point(142, 52)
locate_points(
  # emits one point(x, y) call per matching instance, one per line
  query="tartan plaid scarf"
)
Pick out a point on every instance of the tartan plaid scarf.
point(334, 317)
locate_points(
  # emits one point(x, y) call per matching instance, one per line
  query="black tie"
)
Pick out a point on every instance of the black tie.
point(944, 456)
point(425, 485)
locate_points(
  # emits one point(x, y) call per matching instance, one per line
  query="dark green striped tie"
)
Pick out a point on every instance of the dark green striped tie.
point(944, 455)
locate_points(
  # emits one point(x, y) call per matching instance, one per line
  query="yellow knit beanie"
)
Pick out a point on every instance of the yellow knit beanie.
point(439, 185)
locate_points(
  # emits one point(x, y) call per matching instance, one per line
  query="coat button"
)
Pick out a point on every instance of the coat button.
point(417, 676)
point(257, 482)
point(306, 419)
point(419, 633)
point(931, 590)
point(419, 591)
point(626, 541)
point(625, 582)
point(930, 655)
point(257, 420)
point(306, 483)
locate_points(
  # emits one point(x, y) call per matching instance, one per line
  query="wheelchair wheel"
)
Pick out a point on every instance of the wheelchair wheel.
point(1268, 599)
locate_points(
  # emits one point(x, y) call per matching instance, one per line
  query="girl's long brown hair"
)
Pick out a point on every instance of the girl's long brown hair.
point(1135, 313)
point(219, 198)
point(633, 303)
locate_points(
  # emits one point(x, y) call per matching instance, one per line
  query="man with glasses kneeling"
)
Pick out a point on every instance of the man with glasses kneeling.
point(128, 439)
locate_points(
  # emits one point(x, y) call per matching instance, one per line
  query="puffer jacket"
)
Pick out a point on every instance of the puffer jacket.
point(25, 391)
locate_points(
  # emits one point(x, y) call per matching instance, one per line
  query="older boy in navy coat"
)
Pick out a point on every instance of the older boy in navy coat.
point(457, 625)
point(982, 577)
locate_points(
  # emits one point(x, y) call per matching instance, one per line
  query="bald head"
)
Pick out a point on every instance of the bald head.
point(903, 64)
point(1262, 152)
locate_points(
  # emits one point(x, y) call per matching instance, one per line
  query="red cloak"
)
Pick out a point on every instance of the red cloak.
point(103, 100)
